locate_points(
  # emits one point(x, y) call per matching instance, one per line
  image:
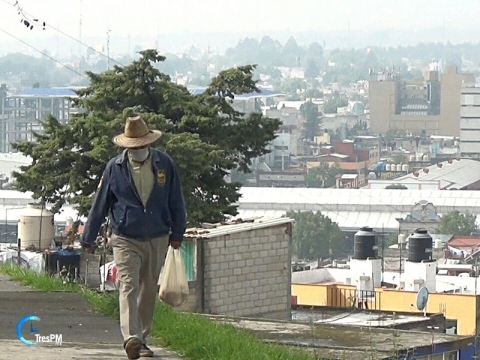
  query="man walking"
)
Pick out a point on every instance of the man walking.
point(140, 190)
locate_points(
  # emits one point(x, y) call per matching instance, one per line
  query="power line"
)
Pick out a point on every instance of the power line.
point(25, 14)
point(44, 54)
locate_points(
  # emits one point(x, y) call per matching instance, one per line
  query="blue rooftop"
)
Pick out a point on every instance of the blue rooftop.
point(60, 92)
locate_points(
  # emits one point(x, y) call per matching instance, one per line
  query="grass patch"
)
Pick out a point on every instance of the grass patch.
point(192, 336)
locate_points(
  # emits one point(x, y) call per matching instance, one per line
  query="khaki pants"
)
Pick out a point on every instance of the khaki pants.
point(138, 264)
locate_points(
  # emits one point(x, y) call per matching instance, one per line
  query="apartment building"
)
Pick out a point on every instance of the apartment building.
point(470, 122)
point(24, 112)
point(430, 106)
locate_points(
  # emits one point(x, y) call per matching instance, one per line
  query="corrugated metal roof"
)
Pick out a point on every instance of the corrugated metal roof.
point(47, 92)
point(348, 220)
point(353, 207)
point(464, 241)
point(457, 175)
point(232, 228)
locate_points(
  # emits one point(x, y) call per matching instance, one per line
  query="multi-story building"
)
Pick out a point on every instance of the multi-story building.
point(470, 122)
point(430, 106)
point(24, 112)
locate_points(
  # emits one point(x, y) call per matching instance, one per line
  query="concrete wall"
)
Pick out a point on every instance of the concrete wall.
point(321, 275)
point(461, 307)
point(89, 269)
point(248, 273)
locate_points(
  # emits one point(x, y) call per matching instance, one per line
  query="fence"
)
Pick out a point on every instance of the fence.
point(344, 297)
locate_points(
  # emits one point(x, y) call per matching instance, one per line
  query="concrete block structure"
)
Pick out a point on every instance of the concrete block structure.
point(90, 268)
point(241, 269)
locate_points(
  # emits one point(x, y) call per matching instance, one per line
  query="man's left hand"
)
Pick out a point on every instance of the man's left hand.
point(175, 244)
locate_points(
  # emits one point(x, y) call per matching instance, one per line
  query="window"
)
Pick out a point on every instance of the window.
point(451, 355)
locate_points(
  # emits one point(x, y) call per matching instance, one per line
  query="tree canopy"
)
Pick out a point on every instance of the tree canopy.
point(455, 223)
point(312, 121)
point(205, 136)
point(316, 236)
point(323, 176)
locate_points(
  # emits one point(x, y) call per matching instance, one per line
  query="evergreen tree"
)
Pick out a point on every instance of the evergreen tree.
point(204, 134)
point(311, 117)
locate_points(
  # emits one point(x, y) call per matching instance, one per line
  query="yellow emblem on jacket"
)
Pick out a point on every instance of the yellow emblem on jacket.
point(161, 177)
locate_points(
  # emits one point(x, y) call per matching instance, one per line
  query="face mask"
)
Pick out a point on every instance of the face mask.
point(138, 155)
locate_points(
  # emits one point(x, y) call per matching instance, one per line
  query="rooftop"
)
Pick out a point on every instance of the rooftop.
point(464, 241)
point(46, 92)
point(342, 342)
point(352, 208)
point(455, 176)
point(209, 231)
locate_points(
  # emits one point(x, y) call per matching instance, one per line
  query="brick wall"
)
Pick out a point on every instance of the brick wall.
point(248, 273)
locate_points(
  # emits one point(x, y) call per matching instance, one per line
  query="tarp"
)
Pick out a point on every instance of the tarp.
point(28, 259)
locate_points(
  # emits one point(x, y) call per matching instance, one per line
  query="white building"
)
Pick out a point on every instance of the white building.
point(470, 121)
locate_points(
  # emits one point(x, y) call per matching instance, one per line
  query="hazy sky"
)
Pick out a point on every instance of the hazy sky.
point(125, 17)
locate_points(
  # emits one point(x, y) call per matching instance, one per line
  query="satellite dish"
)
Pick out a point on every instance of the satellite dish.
point(422, 299)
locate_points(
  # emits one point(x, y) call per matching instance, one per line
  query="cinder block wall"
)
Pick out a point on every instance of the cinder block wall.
point(89, 269)
point(191, 304)
point(248, 273)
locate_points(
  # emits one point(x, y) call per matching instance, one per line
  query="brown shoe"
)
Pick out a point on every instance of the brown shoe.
point(132, 348)
point(145, 351)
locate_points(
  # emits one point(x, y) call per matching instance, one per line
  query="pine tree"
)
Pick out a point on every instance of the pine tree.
point(204, 134)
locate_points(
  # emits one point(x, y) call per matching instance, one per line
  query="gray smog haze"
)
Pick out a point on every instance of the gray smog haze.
point(222, 23)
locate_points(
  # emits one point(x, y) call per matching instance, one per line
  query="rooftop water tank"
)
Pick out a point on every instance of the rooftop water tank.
point(401, 238)
point(405, 167)
point(388, 167)
point(399, 167)
point(35, 227)
point(419, 246)
point(364, 244)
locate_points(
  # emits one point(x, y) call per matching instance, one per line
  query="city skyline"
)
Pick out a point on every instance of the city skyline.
point(185, 20)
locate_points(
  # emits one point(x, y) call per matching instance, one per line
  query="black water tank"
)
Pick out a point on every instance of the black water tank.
point(420, 246)
point(364, 244)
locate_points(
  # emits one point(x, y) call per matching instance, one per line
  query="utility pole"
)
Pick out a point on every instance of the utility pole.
point(383, 247)
point(80, 38)
point(108, 49)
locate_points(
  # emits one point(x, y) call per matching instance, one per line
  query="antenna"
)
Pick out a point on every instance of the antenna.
point(422, 299)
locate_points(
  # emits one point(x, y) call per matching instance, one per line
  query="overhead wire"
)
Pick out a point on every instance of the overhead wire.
point(43, 53)
point(46, 24)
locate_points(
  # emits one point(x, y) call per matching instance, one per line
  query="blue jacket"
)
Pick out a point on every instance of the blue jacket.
point(117, 195)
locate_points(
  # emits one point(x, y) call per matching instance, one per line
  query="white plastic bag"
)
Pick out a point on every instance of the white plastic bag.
point(173, 279)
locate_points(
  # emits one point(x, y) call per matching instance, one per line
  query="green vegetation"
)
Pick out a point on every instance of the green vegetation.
point(323, 176)
point(316, 236)
point(336, 101)
point(312, 121)
point(455, 223)
point(193, 336)
point(205, 135)
point(396, 187)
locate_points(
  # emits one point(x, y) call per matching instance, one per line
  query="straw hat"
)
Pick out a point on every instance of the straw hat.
point(136, 134)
